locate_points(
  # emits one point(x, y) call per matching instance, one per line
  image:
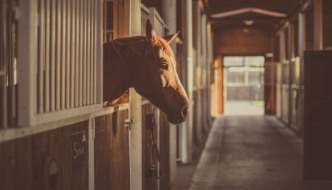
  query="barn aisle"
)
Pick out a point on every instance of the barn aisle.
point(255, 153)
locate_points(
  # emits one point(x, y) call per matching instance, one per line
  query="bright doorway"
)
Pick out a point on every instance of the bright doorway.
point(243, 85)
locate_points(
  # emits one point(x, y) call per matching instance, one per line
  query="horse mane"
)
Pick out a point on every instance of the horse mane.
point(111, 46)
point(166, 47)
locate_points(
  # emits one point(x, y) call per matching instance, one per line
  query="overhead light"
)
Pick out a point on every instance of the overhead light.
point(248, 22)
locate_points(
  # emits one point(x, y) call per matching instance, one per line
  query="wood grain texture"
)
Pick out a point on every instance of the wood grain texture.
point(24, 163)
point(100, 150)
point(7, 165)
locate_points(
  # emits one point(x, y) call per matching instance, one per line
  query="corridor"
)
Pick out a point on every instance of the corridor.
point(255, 153)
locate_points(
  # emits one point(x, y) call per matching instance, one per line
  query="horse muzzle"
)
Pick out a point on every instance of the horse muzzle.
point(178, 117)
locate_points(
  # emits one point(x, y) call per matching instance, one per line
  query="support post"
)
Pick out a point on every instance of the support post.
point(290, 56)
point(318, 24)
point(169, 16)
point(132, 26)
point(301, 49)
point(186, 128)
point(27, 43)
point(4, 60)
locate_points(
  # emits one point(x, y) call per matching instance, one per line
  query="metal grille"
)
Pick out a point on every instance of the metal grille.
point(67, 45)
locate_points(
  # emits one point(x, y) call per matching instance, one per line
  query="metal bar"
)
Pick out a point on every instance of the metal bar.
point(89, 91)
point(58, 54)
point(41, 65)
point(76, 72)
point(94, 42)
point(4, 61)
point(80, 63)
point(47, 57)
point(68, 55)
point(80, 30)
point(84, 61)
point(52, 55)
point(99, 53)
point(72, 53)
point(91, 50)
point(65, 33)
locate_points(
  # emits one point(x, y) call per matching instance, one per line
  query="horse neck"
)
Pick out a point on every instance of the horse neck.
point(123, 55)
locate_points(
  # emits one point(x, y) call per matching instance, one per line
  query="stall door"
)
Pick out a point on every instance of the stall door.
point(318, 115)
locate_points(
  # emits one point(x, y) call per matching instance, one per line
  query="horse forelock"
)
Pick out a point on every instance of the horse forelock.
point(168, 51)
point(166, 47)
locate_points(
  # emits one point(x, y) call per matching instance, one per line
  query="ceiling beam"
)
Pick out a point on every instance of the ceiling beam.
point(248, 10)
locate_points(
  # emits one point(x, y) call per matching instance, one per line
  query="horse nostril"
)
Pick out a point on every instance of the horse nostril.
point(185, 111)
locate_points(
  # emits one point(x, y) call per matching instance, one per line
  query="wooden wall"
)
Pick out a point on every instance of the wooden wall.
point(151, 182)
point(112, 152)
point(22, 160)
point(236, 41)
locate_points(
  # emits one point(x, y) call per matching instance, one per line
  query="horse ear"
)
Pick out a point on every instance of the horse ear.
point(151, 33)
point(170, 38)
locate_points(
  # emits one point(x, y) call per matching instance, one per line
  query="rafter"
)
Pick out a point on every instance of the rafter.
point(248, 10)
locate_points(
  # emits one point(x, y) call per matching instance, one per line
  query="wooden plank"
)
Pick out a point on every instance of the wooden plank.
point(317, 115)
point(58, 54)
point(65, 43)
point(55, 152)
point(117, 152)
point(47, 55)
point(67, 157)
point(7, 165)
point(164, 150)
point(68, 55)
point(52, 55)
point(40, 152)
point(109, 152)
point(144, 148)
point(125, 148)
point(84, 171)
point(75, 174)
point(100, 153)
point(24, 163)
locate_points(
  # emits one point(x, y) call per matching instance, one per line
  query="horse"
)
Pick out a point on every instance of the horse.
point(147, 64)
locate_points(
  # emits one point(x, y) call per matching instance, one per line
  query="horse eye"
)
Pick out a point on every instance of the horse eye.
point(164, 66)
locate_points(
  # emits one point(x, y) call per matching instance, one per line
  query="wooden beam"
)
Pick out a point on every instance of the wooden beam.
point(318, 24)
point(301, 8)
point(248, 10)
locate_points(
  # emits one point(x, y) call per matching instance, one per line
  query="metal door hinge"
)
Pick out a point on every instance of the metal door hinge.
point(128, 123)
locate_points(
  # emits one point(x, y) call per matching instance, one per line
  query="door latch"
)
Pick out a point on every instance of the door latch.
point(128, 123)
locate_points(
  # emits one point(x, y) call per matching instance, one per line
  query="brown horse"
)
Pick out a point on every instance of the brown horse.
point(147, 64)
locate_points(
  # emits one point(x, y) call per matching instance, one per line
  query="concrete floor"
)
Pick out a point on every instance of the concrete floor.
point(232, 108)
point(254, 153)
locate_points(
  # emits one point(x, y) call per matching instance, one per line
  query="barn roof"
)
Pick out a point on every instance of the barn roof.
point(266, 14)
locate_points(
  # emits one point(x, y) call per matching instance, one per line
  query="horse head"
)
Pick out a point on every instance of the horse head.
point(156, 78)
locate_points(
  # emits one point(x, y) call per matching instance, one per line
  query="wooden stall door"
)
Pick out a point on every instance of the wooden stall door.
point(112, 152)
point(269, 88)
point(318, 115)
